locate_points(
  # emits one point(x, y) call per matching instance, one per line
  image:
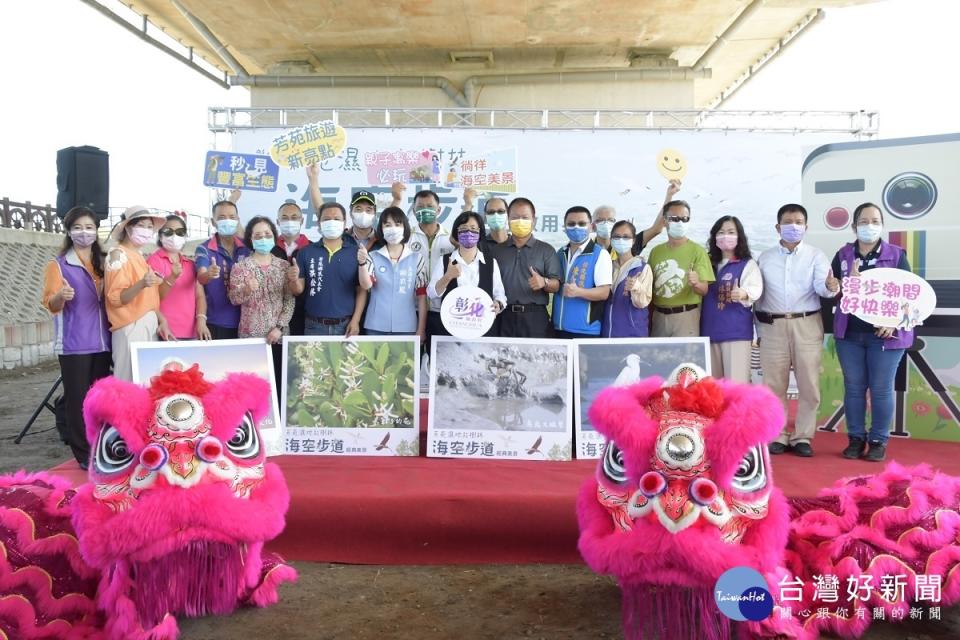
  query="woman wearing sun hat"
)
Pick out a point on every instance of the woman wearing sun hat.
point(131, 288)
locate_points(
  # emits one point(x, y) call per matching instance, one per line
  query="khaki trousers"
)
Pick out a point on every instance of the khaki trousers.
point(685, 324)
point(144, 329)
point(797, 342)
point(731, 360)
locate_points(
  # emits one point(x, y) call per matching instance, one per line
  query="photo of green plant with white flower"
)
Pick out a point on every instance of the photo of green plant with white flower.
point(351, 384)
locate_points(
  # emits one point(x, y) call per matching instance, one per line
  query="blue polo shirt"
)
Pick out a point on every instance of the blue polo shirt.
point(331, 279)
point(220, 311)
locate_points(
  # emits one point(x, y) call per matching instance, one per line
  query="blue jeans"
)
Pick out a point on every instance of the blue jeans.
point(313, 328)
point(867, 365)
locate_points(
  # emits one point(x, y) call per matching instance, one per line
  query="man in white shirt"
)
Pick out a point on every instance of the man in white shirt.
point(432, 241)
point(795, 276)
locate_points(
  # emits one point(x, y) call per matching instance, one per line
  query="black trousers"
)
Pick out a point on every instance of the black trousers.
point(434, 328)
point(534, 323)
point(223, 333)
point(79, 372)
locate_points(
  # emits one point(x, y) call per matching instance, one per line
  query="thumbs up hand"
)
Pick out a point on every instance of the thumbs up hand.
point(693, 277)
point(293, 271)
point(536, 281)
point(833, 285)
point(66, 291)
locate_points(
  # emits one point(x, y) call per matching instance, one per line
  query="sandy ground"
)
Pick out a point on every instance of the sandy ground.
point(549, 602)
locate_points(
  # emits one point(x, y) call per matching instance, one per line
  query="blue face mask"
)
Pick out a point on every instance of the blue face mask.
point(622, 245)
point(263, 245)
point(577, 234)
point(226, 227)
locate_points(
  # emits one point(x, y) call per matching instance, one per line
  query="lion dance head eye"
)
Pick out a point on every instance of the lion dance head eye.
point(112, 453)
point(751, 475)
point(613, 467)
point(245, 442)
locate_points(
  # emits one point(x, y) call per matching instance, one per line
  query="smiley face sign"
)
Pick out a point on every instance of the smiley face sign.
point(671, 164)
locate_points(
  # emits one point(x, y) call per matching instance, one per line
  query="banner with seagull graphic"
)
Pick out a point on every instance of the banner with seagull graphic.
point(601, 363)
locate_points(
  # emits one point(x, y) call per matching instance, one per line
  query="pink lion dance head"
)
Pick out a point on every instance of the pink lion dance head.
point(180, 500)
point(682, 494)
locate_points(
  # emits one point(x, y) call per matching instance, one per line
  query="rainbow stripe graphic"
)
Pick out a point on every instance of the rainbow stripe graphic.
point(915, 244)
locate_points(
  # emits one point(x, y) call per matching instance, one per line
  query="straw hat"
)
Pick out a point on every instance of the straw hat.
point(136, 212)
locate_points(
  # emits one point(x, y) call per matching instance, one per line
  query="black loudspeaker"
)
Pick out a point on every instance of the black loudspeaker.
point(83, 179)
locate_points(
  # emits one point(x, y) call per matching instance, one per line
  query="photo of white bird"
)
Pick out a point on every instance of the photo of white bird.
point(630, 373)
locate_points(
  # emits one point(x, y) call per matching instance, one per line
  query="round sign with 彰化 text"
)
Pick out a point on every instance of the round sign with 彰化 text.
point(467, 312)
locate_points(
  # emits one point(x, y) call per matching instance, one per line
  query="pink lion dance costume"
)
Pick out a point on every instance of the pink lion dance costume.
point(684, 492)
point(172, 521)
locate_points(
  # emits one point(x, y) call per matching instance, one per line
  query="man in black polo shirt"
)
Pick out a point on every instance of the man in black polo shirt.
point(530, 271)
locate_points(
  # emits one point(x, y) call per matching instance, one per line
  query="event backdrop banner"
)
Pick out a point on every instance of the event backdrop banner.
point(505, 398)
point(621, 362)
point(217, 359)
point(355, 397)
point(746, 174)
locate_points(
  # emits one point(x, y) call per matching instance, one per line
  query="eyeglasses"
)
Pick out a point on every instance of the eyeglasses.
point(495, 211)
point(574, 225)
point(169, 232)
point(621, 238)
point(678, 219)
point(474, 229)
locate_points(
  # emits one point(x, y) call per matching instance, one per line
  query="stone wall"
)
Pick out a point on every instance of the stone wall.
point(26, 337)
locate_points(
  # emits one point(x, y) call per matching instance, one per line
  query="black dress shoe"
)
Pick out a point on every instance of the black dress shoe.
point(855, 449)
point(803, 449)
point(84, 465)
point(877, 452)
point(776, 448)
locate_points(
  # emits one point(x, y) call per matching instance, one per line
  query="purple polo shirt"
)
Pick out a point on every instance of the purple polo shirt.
point(220, 311)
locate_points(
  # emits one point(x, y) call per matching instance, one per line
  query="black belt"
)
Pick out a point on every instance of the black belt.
point(669, 310)
point(768, 318)
point(525, 308)
point(326, 321)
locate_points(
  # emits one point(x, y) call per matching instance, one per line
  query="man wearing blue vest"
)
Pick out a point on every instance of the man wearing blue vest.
point(588, 276)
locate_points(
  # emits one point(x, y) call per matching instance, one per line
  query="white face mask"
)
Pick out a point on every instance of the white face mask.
point(173, 243)
point(604, 228)
point(362, 220)
point(289, 228)
point(677, 229)
point(393, 235)
point(331, 229)
point(869, 233)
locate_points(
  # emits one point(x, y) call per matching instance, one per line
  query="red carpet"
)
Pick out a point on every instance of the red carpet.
point(437, 511)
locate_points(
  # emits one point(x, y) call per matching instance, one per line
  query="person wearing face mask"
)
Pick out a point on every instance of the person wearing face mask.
point(73, 293)
point(396, 278)
point(531, 271)
point(363, 215)
point(727, 317)
point(587, 275)
point(625, 314)
point(328, 278)
point(131, 288)
point(290, 240)
point(262, 286)
point(432, 241)
point(469, 267)
point(605, 216)
point(214, 260)
point(789, 327)
point(681, 276)
point(495, 217)
point(869, 356)
point(182, 301)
